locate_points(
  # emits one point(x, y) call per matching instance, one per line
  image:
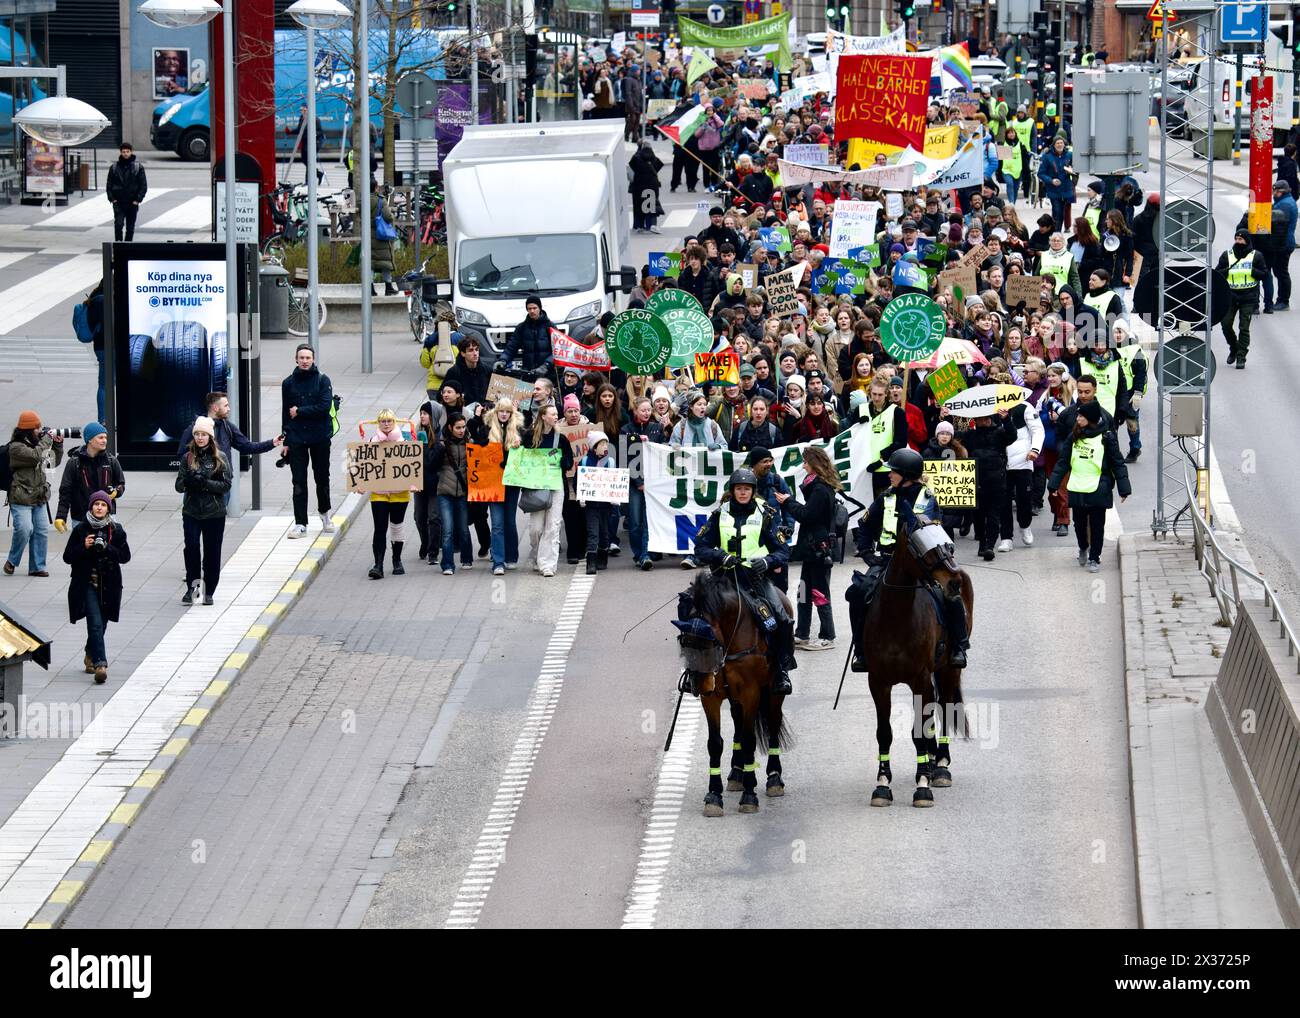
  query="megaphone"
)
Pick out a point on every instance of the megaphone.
point(1110, 242)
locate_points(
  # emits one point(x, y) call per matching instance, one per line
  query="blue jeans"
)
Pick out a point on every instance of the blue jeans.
point(30, 527)
point(504, 518)
point(455, 531)
point(638, 528)
point(1013, 187)
point(96, 625)
point(99, 395)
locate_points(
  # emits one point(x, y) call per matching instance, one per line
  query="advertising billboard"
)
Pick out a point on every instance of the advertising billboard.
point(42, 167)
point(170, 344)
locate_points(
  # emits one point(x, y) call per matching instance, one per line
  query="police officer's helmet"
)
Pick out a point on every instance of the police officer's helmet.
point(908, 463)
point(744, 476)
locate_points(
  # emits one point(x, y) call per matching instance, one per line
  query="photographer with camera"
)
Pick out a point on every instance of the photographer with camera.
point(90, 467)
point(96, 551)
point(816, 544)
point(29, 491)
point(204, 478)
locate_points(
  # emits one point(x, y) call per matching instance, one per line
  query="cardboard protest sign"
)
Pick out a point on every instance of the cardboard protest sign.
point(753, 88)
point(385, 468)
point(665, 263)
point(975, 255)
point(782, 289)
point(945, 381)
point(986, 400)
point(656, 108)
point(603, 484)
point(535, 468)
point(808, 155)
point(1024, 289)
point(952, 481)
point(853, 225)
point(941, 142)
point(723, 366)
point(1004, 153)
point(962, 277)
point(505, 386)
point(577, 436)
point(893, 205)
point(484, 469)
point(748, 275)
point(883, 98)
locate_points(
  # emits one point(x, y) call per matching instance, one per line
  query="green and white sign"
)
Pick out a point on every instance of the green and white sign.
point(911, 327)
point(687, 323)
point(639, 342)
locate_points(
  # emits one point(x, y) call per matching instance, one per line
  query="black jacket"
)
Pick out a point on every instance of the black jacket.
point(709, 541)
point(987, 446)
point(721, 235)
point(703, 287)
point(204, 485)
point(126, 181)
point(751, 436)
point(472, 381)
point(83, 475)
point(531, 340)
point(866, 536)
point(1114, 474)
point(1259, 270)
point(102, 565)
point(313, 395)
point(816, 517)
point(228, 437)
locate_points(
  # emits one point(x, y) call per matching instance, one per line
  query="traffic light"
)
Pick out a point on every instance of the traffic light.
point(451, 10)
point(1295, 33)
point(906, 9)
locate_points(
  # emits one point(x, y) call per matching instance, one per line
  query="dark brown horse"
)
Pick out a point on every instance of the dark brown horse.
point(900, 639)
point(740, 674)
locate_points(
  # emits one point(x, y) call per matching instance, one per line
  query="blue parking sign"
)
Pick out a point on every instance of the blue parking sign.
point(1243, 22)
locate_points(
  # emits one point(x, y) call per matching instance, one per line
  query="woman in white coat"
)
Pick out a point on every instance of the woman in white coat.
point(1021, 455)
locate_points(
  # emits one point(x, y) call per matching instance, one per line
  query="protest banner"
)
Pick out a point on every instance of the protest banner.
point(808, 155)
point(944, 381)
point(385, 468)
point(723, 366)
point(952, 481)
point(567, 352)
point(657, 108)
point(985, 400)
point(941, 142)
point(853, 225)
point(1027, 290)
point(839, 43)
point(603, 484)
point(782, 287)
point(748, 275)
point(665, 263)
point(967, 169)
point(689, 326)
point(684, 485)
point(884, 178)
point(577, 436)
point(639, 342)
point(752, 88)
point(513, 389)
point(484, 470)
point(883, 98)
point(772, 31)
point(962, 277)
point(534, 468)
point(975, 256)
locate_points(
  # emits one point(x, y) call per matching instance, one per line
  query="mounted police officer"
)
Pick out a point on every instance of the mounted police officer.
point(745, 534)
point(876, 536)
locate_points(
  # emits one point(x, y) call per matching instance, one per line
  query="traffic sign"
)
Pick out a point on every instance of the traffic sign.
point(1243, 22)
point(415, 91)
point(1186, 363)
point(717, 14)
point(1159, 15)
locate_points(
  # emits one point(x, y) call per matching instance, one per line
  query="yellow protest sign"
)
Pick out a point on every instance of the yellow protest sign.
point(952, 481)
point(941, 142)
point(723, 366)
point(863, 152)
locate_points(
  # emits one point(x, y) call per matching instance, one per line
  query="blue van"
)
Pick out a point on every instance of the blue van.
point(182, 124)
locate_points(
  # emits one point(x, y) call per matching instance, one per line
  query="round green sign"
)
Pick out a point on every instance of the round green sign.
point(911, 327)
point(687, 323)
point(639, 342)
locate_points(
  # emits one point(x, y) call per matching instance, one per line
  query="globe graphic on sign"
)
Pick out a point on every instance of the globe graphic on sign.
point(642, 344)
point(912, 328)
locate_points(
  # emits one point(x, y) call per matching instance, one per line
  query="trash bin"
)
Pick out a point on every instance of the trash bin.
point(273, 289)
point(1222, 141)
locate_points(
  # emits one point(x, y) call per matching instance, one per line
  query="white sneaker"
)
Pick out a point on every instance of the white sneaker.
point(1005, 545)
point(326, 524)
point(296, 531)
point(548, 572)
point(1027, 537)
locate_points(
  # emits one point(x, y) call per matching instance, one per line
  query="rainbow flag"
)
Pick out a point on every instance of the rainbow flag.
point(954, 67)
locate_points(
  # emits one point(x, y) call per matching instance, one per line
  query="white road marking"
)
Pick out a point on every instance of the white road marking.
point(1224, 514)
point(652, 867)
point(680, 219)
point(491, 846)
point(46, 290)
point(8, 258)
point(195, 214)
point(90, 212)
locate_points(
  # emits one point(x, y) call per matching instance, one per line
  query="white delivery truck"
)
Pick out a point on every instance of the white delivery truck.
point(537, 208)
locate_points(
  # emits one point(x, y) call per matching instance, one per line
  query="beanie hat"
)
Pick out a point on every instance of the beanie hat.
point(896, 380)
point(205, 425)
point(757, 455)
point(1091, 412)
point(28, 420)
point(897, 249)
point(661, 392)
point(532, 298)
point(944, 428)
point(571, 401)
point(93, 430)
point(594, 438)
point(797, 380)
point(100, 496)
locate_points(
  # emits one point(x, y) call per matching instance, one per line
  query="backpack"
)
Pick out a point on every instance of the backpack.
point(81, 322)
point(335, 403)
point(6, 471)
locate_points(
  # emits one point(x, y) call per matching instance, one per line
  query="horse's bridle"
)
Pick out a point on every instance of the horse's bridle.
point(923, 544)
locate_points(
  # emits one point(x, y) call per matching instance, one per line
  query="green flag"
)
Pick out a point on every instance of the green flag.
point(768, 32)
point(700, 65)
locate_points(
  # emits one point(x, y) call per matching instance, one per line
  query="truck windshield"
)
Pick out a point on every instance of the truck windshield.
point(514, 266)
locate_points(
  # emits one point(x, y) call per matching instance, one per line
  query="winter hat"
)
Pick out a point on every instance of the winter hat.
point(757, 455)
point(594, 438)
point(797, 380)
point(532, 298)
point(93, 430)
point(897, 249)
point(661, 392)
point(28, 420)
point(748, 371)
point(1091, 412)
point(205, 425)
point(571, 401)
point(909, 256)
point(100, 496)
point(896, 380)
point(944, 428)
point(1096, 187)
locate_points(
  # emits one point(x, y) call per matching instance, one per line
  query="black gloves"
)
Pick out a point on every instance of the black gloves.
point(731, 561)
point(758, 567)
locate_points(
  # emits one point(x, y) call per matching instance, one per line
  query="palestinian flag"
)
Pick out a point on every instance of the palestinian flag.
point(680, 126)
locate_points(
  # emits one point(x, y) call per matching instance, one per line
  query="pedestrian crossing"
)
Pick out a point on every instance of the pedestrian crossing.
point(95, 211)
point(37, 294)
point(21, 356)
point(191, 215)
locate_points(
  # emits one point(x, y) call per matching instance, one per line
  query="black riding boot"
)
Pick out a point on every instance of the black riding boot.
point(857, 611)
point(377, 570)
point(397, 558)
point(958, 638)
point(781, 653)
point(591, 564)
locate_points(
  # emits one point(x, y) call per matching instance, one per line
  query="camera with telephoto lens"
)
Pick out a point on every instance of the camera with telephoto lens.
point(61, 432)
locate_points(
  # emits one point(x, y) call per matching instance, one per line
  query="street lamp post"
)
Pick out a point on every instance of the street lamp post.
point(191, 14)
point(313, 15)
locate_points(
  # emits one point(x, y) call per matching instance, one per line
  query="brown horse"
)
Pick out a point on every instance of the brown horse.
point(740, 674)
point(900, 639)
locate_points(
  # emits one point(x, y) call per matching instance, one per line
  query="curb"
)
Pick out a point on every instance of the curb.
point(78, 877)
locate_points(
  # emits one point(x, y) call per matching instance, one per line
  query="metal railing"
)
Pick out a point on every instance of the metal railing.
point(1224, 574)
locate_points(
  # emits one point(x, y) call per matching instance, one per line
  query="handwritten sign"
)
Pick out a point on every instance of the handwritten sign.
point(782, 289)
point(975, 256)
point(723, 366)
point(962, 277)
point(534, 468)
point(658, 108)
point(603, 484)
point(853, 226)
point(893, 205)
point(1027, 290)
point(510, 388)
point(483, 467)
point(952, 481)
point(753, 88)
point(808, 155)
point(748, 275)
point(577, 436)
point(385, 468)
point(941, 142)
point(945, 381)
point(883, 98)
